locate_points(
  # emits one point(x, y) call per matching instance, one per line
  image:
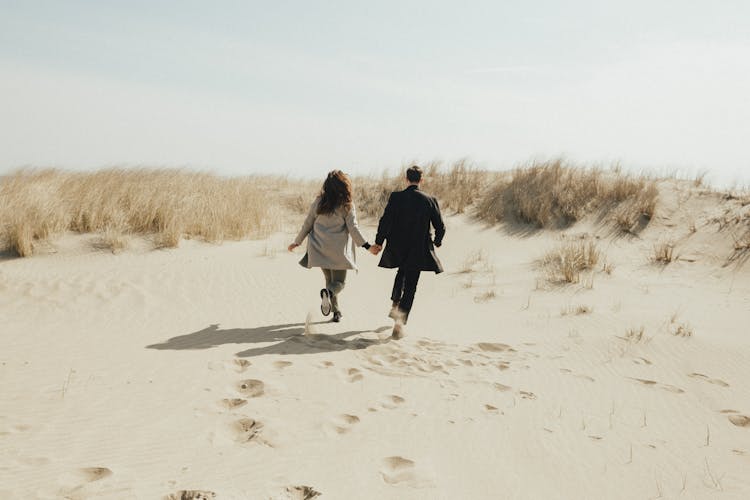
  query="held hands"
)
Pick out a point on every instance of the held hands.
point(292, 247)
point(375, 249)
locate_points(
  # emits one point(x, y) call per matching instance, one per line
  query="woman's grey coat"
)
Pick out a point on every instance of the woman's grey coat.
point(331, 238)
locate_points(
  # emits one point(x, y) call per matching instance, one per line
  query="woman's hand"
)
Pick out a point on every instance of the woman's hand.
point(292, 247)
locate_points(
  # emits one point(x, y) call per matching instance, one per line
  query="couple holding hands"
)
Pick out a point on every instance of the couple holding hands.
point(332, 233)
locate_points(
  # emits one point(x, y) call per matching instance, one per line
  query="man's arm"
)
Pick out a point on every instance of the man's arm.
point(386, 222)
point(437, 222)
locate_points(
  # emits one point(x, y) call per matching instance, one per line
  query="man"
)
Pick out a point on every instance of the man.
point(405, 226)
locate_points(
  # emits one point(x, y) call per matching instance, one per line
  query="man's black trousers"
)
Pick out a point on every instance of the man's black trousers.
point(405, 286)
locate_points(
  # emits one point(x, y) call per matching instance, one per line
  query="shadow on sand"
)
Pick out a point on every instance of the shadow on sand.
point(290, 339)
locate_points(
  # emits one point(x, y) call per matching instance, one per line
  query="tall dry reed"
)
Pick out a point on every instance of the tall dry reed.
point(456, 187)
point(556, 194)
point(166, 204)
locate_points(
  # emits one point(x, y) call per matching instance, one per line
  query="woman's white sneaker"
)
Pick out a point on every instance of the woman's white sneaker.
point(325, 301)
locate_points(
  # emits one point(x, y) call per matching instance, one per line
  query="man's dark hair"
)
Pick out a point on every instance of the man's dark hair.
point(414, 174)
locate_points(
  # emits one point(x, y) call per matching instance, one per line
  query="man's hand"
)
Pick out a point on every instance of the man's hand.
point(292, 247)
point(375, 249)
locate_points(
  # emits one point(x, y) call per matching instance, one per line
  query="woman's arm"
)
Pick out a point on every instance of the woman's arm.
point(353, 227)
point(306, 226)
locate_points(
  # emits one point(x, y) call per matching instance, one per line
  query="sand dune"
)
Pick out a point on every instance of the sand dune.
point(208, 372)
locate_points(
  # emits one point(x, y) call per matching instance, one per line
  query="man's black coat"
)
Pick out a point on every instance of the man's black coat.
point(405, 226)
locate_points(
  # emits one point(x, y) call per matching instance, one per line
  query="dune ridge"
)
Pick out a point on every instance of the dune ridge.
point(207, 371)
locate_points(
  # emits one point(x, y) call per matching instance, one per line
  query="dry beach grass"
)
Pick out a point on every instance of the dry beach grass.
point(165, 204)
point(555, 194)
point(168, 205)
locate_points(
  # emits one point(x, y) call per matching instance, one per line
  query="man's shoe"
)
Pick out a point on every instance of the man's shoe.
point(398, 331)
point(325, 301)
point(394, 310)
point(336, 316)
point(399, 315)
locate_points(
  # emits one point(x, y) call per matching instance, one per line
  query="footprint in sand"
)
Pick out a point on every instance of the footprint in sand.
point(392, 401)
point(501, 365)
point(568, 371)
point(248, 430)
point(192, 495)
point(671, 388)
point(282, 364)
point(352, 375)
point(91, 474)
point(251, 388)
point(15, 428)
point(708, 379)
point(326, 364)
point(492, 409)
point(298, 493)
point(398, 471)
point(75, 483)
point(495, 347)
point(527, 395)
point(502, 387)
point(233, 403)
point(740, 420)
point(240, 365)
point(654, 383)
point(342, 424)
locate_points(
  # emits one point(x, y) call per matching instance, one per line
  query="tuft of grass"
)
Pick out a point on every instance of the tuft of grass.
point(565, 263)
point(663, 253)
point(479, 274)
point(683, 330)
point(634, 335)
point(19, 237)
point(113, 239)
point(577, 310)
point(485, 296)
point(475, 262)
point(679, 329)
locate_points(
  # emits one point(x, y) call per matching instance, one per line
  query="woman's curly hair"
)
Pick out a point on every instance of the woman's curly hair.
point(336, 192)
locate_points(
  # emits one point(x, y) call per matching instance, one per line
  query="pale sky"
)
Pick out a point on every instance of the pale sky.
point(301, 87)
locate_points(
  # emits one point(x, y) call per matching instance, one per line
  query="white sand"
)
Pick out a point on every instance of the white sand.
point(117, 373)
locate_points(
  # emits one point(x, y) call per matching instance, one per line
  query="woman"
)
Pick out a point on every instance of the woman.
point(332, 232)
